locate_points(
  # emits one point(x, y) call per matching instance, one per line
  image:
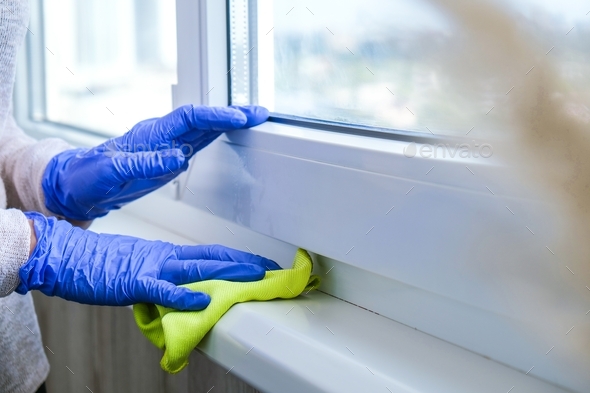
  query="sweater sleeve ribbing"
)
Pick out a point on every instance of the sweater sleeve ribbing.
point(15, 237)
point(22, 164)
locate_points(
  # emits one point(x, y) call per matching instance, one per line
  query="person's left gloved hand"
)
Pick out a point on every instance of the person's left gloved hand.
point(83, 184)
point(117, 270)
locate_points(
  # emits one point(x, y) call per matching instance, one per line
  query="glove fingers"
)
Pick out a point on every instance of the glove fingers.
point(195, 137)
point(201, 118)
point(180, 298)
point(197, 141)
point(149, 165)
point(254, 113)
point(206, 141)
point(216, 252)
point(204, 119)
point(187, 271)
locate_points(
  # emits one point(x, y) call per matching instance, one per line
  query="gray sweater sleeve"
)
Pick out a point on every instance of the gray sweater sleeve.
point(14, 229)
point(15, 237)
point(22, 165)
point(23, 363)
point(22, 159)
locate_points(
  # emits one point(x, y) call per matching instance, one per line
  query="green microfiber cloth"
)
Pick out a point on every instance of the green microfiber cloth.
point(179, 332)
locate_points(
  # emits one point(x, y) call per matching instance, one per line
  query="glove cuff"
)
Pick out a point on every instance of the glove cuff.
point(40, 225)
point(39, 272)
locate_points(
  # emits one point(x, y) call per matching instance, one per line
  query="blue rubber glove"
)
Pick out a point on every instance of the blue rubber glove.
point(83, 184)
point(114, 270)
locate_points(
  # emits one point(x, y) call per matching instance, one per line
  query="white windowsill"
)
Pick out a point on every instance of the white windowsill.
point(317, 343)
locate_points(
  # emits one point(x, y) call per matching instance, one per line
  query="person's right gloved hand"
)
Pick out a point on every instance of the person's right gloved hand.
point(116, 270)
point(84, 184)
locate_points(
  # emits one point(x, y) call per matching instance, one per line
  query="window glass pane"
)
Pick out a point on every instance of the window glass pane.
point(108, 63)
point(420, 65)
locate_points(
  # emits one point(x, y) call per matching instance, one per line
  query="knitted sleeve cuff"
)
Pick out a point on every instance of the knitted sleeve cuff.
point(42, 152)
point(15, 238)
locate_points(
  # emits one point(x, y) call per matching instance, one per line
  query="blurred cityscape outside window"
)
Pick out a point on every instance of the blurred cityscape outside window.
point(420, 65)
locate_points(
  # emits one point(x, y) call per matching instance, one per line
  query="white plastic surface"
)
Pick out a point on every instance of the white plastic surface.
point(317, 343)
point(465, 254)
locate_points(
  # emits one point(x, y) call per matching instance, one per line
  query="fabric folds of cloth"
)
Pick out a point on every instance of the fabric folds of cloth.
point(179, 332)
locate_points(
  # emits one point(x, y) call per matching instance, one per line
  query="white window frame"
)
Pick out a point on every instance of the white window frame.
point(202, 80)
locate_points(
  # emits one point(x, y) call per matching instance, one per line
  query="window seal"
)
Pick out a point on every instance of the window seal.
point(359, 130)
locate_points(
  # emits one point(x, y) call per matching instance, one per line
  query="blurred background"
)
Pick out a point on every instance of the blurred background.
point(407, 64)
point(396, 65)
point(123, 54)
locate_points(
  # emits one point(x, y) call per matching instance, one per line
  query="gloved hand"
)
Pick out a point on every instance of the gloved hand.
point(115, 270)
point(83, 184)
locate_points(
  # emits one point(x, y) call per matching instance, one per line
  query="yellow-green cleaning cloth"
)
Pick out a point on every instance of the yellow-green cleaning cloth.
point(179, 332)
